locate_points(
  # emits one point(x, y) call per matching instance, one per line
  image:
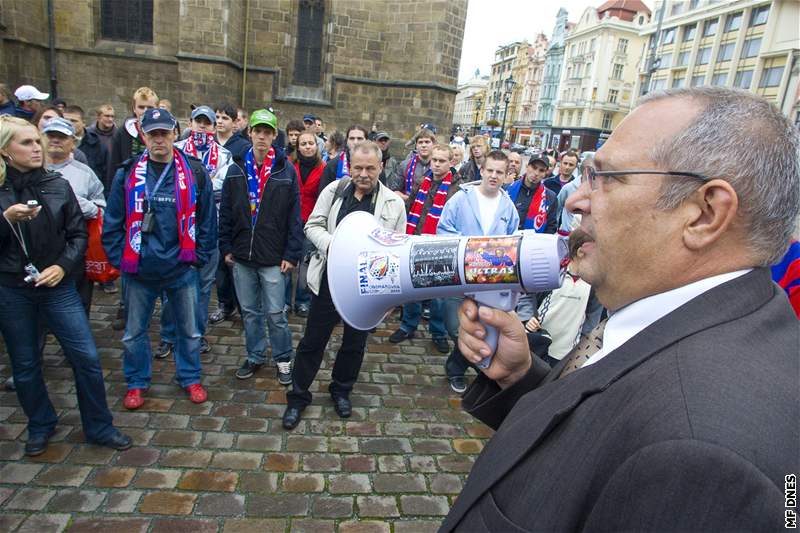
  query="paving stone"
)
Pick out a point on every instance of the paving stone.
point(446, 484)
point(363, 428)
point(391, 463)
point(349, 484)
point(209, 481)
point(415, 429)
point(19, 473)
point(30, 499)
point(296, 443)
point(5, 493)
point(76, 500)
point(64, 475)
point(246, 424)
point(256, 525)
point(358, 463)
point(9, 522)
point(305, 525)
point(131, 420)
point(102, 525)
point(237, 460)
point(282, 462)
point(382, 446)
point(169, 503)
point(11, 450)
point(258, 482)
point(168, 421)
point(220, 505)
point(422, 463)
point(470, 446)
point(11, 431)
point(178, 525)
point(332, 506)
point(207, 423)
point(115, 477)
point(279, 505)
point(424, 505)
point(56, 453)
point(186, 407)
point(177, 438)
point(377, 506)
point(122, 501)
point(44, 523)
point(138, 457)
point(259, 443)
point(91, 455)
point(456, 463)
point(187, 458)
point(160, 478)
point(401, 483)
point(364, 526)
point(416, 526)
point(303, 482)
point(343, 445)
point(218, 440)
point(156, 405)
point(140, 436)
point(322, 462)
point(432, 446)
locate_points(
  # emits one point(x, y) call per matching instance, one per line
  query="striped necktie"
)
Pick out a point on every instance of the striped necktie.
point(587, 346)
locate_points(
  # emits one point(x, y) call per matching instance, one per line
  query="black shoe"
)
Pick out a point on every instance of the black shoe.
point(119, 441)
point(110, 288)
point(301, 311)
point(9, 384)
point(248, 369)
point(284, 372)
point(163, 351)
point(458, 384)
point(219, 315)
point(204, 346)
point(38, 445)
point(442, 345)
point(291, 417)
point(342, 406)
point(400, 336)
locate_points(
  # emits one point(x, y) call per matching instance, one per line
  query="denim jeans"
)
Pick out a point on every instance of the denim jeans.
point(302, 296)
point(261, 297)
point(141, 299)
point(412, 312)
point(455, 365)
point(206, 276)
point(61, 309)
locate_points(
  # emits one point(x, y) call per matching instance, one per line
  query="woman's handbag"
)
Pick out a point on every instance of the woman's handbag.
point(97, 266)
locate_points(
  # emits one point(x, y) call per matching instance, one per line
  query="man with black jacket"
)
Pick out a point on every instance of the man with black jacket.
point(339, 167)
point(261, 237)
point(87, 141)
point(160, 228)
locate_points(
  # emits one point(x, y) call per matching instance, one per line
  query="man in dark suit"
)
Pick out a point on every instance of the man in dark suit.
point(686, 419)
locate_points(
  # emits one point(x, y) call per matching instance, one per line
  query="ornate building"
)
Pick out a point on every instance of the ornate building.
point(522, 131)
point(469, 102)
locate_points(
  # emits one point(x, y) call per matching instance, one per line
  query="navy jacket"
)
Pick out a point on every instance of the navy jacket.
point(238, 145)
point(158, 260)
point(96, 154)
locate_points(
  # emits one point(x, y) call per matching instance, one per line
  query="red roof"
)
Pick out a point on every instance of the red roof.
point(633, 6)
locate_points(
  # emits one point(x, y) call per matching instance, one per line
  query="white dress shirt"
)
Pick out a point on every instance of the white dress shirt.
point(623, 324)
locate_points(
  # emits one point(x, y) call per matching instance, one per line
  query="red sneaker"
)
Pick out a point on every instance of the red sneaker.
point(133, 399)
point(197, 394)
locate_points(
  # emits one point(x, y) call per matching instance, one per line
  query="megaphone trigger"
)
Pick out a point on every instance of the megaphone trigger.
point(502, 300)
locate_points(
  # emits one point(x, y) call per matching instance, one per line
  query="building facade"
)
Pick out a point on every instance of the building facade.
point(551, 77)
point(747, 44)
point(349, 62)
point(510, 61)
point(601, 66)
point(522, 126)
point(469, 101)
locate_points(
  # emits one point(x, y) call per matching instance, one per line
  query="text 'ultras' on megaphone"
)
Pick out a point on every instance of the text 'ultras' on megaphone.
point(372, 270)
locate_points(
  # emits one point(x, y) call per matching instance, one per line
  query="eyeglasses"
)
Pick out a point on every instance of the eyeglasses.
point(590, 174)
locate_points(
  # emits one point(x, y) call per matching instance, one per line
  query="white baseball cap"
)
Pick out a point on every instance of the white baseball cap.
point(29, 92)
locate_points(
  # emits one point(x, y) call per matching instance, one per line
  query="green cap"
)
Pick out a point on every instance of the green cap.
point(264, 116)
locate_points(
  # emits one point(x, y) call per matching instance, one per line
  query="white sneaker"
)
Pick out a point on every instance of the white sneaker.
point(284, 372)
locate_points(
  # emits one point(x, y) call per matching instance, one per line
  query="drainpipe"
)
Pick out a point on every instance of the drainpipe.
point(51, 25)
point(246, 39)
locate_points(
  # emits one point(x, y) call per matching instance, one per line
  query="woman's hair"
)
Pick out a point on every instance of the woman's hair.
point(337, 140)
point(313, 138)
point(38, 116)
point(9, 128)
point(479, 140)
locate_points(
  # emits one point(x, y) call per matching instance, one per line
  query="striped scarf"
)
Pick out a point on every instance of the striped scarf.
point(412, 166)
point(435, 212)
point(343, 166)
point(536, 217)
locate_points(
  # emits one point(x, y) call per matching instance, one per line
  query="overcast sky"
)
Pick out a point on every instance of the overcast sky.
point(493, 23)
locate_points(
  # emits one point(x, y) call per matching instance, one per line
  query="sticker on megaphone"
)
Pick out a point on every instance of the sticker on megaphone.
point(372, 270)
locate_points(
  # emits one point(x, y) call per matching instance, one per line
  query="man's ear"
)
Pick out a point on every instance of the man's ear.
point(712, 211)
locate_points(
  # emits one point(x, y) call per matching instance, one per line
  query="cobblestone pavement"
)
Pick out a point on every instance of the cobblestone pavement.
point(228, 465)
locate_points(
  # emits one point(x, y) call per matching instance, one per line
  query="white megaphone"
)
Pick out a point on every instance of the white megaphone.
point(371, 270)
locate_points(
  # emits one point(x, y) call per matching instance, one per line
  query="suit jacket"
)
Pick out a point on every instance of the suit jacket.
point(691, 425)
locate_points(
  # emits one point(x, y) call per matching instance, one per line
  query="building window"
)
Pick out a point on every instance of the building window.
point(719, 79)
point(743, 79)
point(622, 46)
point(725, 52)
point(771, 77)
point(130, 21)
point(751, 47)
point(607, 117)
point(570, 116)
point(678, 82)
point(579, 118)
point(710, 27)
point(698, 80)
point(666, 60)
point(592, 45)
point(616, 73)
point(667, 36)
point(693, 4)
point(683, 58)
point(733, 22)
point(612, 96)
point(704, 55)
point(689, 32)
point(759, 15)
point(658, 84)
point(308, 54)
point(676, 9)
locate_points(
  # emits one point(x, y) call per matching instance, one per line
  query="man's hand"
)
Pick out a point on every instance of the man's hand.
point(533, 325)
point(286, 266)
point(229, 260)
point(50, 276)
point(513, 357)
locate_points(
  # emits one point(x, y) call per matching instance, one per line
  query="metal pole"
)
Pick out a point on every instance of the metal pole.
point(51, 26)
point(503, 127)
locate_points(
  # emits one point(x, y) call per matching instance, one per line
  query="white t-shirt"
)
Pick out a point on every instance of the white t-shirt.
point(488, 207)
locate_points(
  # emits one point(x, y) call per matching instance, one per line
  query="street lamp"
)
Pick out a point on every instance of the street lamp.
point(509, 89)
point(478, 104)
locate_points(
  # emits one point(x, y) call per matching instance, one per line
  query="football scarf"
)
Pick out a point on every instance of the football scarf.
point(343, 167)
point(410, 168)
point(257, 180)
point(435, 212)
point(536, 218)
point(205, 143)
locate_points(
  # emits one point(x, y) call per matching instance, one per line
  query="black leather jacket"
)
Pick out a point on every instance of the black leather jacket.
point(57, 236)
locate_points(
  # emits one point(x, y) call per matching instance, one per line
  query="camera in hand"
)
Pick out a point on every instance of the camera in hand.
point(32, 203)
point(33, 273)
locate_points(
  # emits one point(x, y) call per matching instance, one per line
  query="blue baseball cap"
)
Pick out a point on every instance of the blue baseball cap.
point(309, 118)
point(59, 125)
point(158, 119)
point(204, 111)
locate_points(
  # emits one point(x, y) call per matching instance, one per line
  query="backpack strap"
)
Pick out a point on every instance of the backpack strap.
point(340, 188)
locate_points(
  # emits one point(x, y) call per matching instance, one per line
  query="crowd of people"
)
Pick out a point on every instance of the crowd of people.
point(236, 201)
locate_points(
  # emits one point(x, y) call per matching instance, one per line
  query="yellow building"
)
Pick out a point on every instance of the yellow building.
point(749, 44)
point(601, 66)
point(510, 61)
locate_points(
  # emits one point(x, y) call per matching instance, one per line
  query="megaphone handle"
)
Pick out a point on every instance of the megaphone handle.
point(503, 300)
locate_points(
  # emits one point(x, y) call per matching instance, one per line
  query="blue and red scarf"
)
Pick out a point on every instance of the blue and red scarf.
point(185, 206)
point(536, 218)
point(410, 168)
point(435, 212)
point(257, 180)
point(343, 166)
point(207, 144)
point(787, 275)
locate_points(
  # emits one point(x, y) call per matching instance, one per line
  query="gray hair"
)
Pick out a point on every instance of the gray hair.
point(368, 147)
point(745, 140)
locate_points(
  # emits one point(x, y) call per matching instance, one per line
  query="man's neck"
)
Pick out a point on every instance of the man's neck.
point(487, 192)
point(439, 177)
point(359, 194)
point(529, 183)
point(223, 137)
point(59, 160)
point(259, 156)
point(98, 127)
point(564, 179)
point(479, 161)
point(161, 159)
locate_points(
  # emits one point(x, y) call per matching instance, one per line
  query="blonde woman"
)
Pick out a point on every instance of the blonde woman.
point(478, 148)
point(42, 243)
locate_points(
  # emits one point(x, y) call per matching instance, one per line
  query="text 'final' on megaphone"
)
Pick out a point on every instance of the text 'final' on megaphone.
point(371, 270)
